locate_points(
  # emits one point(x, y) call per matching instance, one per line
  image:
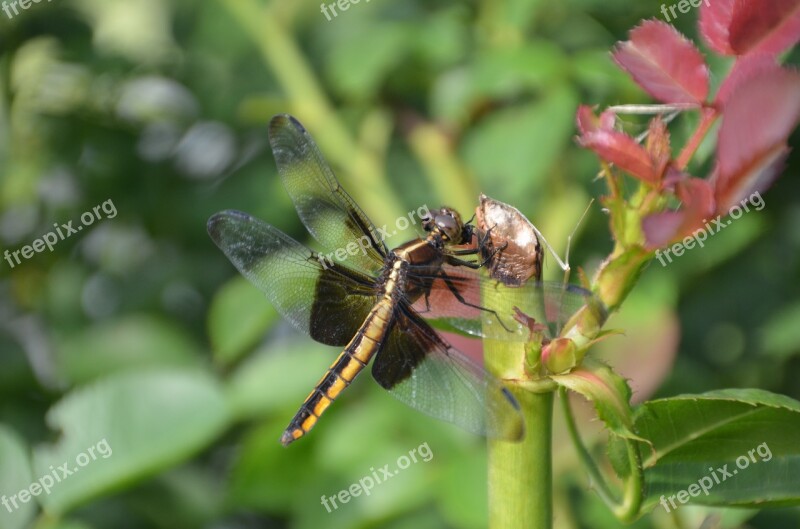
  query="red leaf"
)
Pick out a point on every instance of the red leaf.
point(660, 228)
point(758, 118)
point(753, 178)
point(697, 197)
point(739, 27)
point(746, 68)
point(623, 151)
point(588, 122)
point(715, 22)
point(764, 26)
point(663, 62)
point(598, 134)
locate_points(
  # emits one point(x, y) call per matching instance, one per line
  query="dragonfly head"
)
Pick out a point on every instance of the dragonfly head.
point(447, 223)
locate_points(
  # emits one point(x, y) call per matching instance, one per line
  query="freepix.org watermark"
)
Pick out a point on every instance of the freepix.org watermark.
point(343, 5)
point(711, 228)
point(706, 483)
point(51, 238)
point(684, 6)
point(56, 475)
point(364, 243)
point(9, 6)
point(368, 482)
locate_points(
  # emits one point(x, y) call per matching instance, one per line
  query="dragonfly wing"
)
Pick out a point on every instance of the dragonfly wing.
point(331, 216)
point(422, 370)
point(328, 301)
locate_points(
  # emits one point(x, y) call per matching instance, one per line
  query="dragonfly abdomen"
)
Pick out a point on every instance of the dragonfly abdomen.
point(350, 362)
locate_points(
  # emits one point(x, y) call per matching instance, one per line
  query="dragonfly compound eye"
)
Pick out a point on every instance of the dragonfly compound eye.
point(449, 226)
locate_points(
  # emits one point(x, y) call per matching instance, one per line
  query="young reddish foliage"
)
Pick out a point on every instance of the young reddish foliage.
point(662, 228)
point(758, 103)
point(739, 27)
point(622, 150)
point(764, 26)
point(664, 63)
point(752, 147)
point(749, 66)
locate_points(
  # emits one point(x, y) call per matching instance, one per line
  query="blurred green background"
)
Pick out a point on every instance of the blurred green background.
point(137, 330)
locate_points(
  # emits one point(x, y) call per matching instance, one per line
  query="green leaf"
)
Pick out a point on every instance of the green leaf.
point(238, 317)
point(278, 378)
point(15, 475)
point(122, 344)
point(750, 434)
point(376, 48)
point(124, 427)
point(609, 393)
point(463, 501)
point(441, 39)
point(518, 145)
point(780, 336)
point(498, 73)
point(62, 524)
point(257, 475)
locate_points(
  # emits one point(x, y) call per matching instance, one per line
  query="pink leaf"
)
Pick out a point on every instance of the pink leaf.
point(697, 207)
point(660, 228)
point(764, 26)
point(746, 68)
point(758, 118)
point(621, 150)
point(663, 62)
point(715, 21)
point(697, 196)
point(588, 122)
point(739, 27)
point(756, 177)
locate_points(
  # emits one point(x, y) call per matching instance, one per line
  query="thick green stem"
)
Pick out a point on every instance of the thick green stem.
point(521, 474)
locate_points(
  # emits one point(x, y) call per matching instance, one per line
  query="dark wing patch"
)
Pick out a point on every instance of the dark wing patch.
point(425, 372)
point(329, 302)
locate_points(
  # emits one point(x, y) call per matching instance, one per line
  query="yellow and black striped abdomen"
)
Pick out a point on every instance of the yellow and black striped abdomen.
point(344, 369)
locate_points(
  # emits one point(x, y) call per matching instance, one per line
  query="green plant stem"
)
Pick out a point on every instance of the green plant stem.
point(603, 490)
point(445, 172)
point(627, 508)
point(282, 55)
point(521, 474)
point(6, 101)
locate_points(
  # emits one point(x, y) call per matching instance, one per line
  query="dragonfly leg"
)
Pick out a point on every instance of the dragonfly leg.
point(463, 301)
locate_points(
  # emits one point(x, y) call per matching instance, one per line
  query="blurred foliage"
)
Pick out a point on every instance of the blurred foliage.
point(137, 330)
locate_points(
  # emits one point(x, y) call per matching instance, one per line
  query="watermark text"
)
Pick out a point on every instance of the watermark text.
point(56, 475)
point(368, 482)
point(11, 5)
point(51, 238)
point(364, 243)
point(715, 226)
point(706, 483)
point(684, 6)
point(343, 5)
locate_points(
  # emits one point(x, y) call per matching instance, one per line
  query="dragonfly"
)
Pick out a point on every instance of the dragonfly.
point(379, 305)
